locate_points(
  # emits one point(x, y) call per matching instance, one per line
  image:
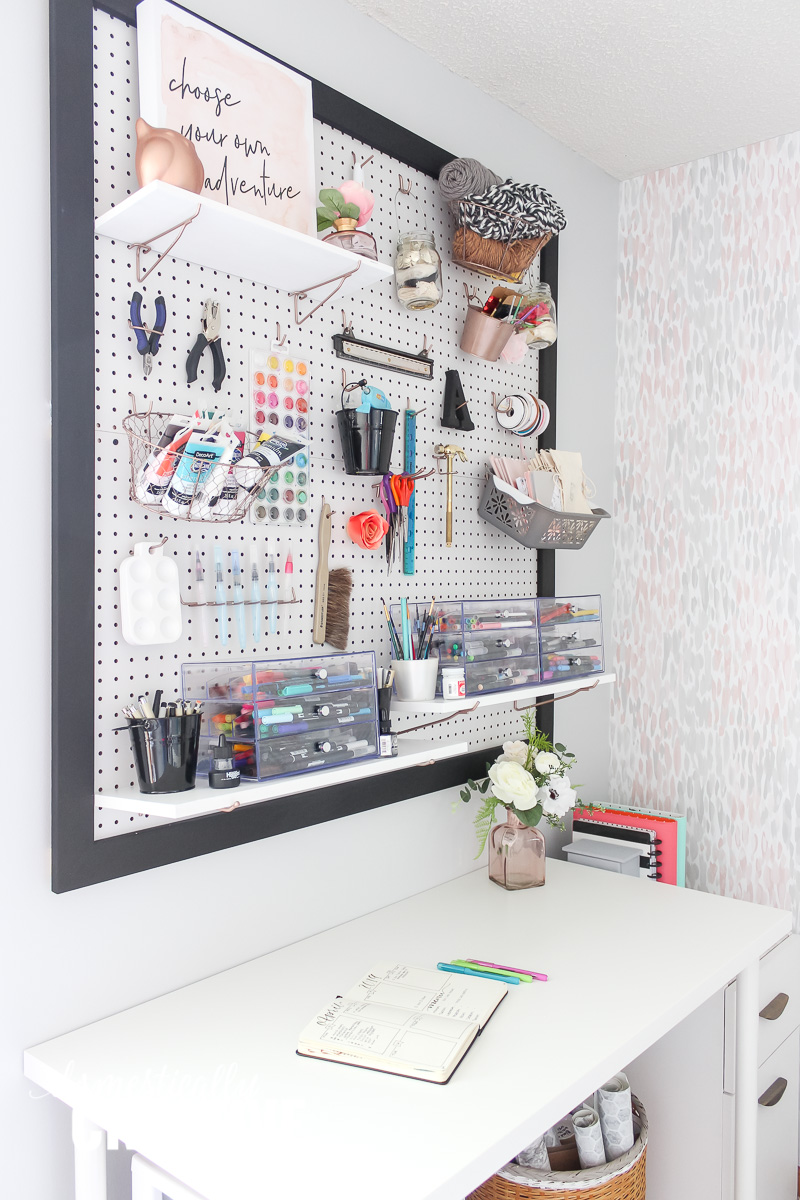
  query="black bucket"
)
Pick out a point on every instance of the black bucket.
point(165, 753)
point(367, 439)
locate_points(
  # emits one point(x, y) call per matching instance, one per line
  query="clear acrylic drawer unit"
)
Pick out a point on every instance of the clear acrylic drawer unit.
point(515, 643)
point(287, 716)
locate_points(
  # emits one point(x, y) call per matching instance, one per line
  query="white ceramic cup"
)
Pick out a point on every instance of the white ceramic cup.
point(415, 679)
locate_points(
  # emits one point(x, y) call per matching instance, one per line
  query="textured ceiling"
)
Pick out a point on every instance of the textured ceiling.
point(633, 85)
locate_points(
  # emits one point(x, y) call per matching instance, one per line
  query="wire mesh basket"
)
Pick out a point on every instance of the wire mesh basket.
point(147, 438)
point(534, 525)
point(622, 1179)
point(506, 260)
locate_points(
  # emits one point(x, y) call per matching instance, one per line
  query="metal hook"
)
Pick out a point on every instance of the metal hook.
point(425, 352)
point(470, 294)
point(366, 160)
point(279, 341)
point(157, 546)
point(347, 326)
point(496, 403)
point(405, 186)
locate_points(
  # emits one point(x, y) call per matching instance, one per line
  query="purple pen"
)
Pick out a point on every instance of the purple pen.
point(514, 970)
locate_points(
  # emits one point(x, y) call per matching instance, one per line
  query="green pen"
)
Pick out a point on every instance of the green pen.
point(463, 962)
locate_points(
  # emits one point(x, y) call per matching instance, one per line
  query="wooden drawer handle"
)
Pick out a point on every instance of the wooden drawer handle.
point(771, 1011)
point(773, 1093)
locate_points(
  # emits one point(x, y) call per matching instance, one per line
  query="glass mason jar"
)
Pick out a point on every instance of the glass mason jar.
point(417, 270)
point(516, 855)
point(540, 323)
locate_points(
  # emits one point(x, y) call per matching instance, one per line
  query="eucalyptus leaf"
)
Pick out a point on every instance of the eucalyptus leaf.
point(531, 816)
point(332, 198)
point(350, 210)
point(558, 746)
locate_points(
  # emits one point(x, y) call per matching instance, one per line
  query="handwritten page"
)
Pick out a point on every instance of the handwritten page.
point(434, 992)
point(420, 1041)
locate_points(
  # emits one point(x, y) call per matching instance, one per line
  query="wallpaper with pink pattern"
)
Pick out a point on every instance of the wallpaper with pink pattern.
point(706, 712)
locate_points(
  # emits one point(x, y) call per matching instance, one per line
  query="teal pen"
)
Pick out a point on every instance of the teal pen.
point(255, 596)
point(222, 607)
point(405, 629)
point(238, 599)
point(480, 974)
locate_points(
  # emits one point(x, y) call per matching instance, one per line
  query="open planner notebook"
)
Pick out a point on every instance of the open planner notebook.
point(404, 1020)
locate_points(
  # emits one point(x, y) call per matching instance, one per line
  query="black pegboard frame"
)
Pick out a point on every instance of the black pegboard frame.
point(78, 859)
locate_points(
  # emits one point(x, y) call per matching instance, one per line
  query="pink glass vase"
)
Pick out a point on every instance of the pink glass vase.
point(516, 855)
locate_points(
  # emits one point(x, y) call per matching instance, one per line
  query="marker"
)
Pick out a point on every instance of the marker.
point(518, 976)
point(515, 970)
point(480, 974)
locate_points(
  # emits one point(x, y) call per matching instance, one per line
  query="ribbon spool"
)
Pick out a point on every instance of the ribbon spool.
point(523, 414)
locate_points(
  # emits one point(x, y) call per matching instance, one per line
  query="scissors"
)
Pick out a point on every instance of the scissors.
point(403, 490)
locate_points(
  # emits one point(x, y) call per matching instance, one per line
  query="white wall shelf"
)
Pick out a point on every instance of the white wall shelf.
point(203, 799)
point(234, 242)
point(520, 695)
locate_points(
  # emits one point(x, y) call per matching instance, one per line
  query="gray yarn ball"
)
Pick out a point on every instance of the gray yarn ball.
point(465, 177)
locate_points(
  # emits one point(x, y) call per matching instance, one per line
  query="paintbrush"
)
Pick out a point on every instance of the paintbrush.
point(337, 618)
point(332, 593)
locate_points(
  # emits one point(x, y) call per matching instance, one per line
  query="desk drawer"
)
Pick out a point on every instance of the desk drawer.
point(778, 998)
point(778, 995)
point(777, 1122)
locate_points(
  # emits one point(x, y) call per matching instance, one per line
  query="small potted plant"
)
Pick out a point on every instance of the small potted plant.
point(530, 780)
point(343, 210)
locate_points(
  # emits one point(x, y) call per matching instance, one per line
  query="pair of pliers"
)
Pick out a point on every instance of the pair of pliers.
point(147, 340)
point(210, 325)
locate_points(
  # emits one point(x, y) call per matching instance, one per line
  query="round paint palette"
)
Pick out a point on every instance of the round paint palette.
point(279, 400)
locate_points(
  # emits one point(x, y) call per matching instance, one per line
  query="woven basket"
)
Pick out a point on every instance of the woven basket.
point(500, 260)
point(623, 1179)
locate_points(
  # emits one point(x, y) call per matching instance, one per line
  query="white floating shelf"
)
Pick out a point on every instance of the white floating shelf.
point(495, 699)
point(234, 242)
point(203, 799)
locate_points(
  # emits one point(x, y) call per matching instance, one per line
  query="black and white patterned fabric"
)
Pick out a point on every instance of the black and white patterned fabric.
point(512, 210)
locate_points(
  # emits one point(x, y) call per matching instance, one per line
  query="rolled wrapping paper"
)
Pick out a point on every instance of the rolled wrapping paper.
point(534, 1155)
point(462, 177)
point(616, 1116)
point(588, 1138)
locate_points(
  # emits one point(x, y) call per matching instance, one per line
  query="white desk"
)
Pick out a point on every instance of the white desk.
point(205, 1082)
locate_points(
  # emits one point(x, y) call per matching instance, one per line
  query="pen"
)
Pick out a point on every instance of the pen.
point(255, 596)
point(238, 599)
point(202, 598)
point(222, 608)
point(515, 970)
point(272, 594)
point(523, 977)
point(480, 974)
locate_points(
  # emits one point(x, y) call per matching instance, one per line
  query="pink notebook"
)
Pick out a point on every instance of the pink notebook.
point(666, 831)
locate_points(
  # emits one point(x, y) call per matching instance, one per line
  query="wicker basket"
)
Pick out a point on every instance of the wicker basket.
point(507, 261)
point(623, 1179)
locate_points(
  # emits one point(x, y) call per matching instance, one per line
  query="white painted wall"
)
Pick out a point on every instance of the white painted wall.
point(68, 960)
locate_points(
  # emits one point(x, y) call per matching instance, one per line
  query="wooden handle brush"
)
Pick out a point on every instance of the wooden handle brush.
point(332, 597)
point(321, 590)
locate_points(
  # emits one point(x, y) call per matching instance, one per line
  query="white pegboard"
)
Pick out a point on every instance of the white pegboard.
point(483, 562)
